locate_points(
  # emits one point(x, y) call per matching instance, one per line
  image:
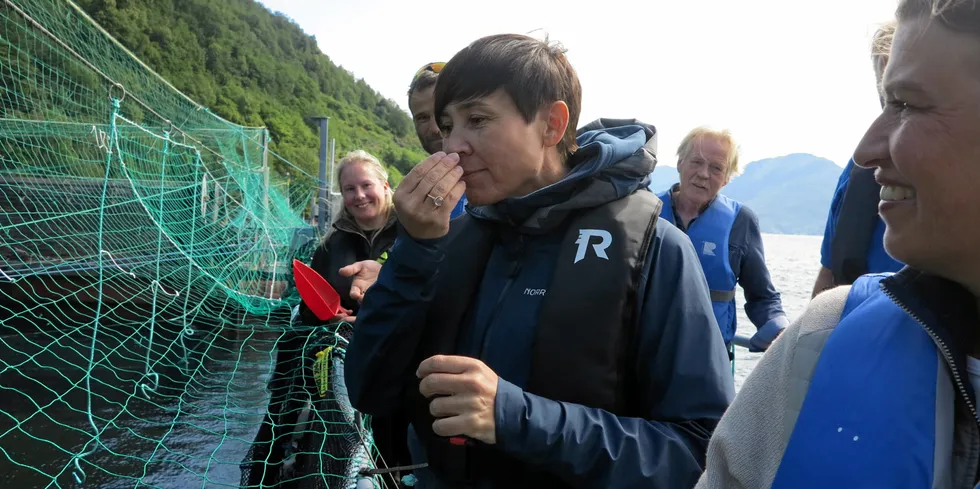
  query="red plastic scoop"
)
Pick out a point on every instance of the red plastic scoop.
point(316, 292)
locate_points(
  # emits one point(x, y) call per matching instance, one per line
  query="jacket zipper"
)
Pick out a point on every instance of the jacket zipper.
point(945, 351)
point(515, 268)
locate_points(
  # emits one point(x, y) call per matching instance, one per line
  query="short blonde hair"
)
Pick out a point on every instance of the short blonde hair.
point(359, 156)
point(881, 42)
point(686, 147)
point(881, 48)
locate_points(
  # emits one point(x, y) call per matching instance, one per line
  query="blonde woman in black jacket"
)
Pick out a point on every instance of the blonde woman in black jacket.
point(365, 229)
point(293, 445)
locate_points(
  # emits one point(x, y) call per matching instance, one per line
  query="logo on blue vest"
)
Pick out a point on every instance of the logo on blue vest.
point(709, 248)
point(584, 235)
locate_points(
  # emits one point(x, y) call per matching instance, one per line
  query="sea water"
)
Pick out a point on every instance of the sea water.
point(794, 262)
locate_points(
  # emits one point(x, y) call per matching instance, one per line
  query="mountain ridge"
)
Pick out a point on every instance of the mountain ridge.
point(790, 194)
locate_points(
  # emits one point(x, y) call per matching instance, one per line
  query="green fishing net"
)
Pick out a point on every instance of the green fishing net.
point(145, 283)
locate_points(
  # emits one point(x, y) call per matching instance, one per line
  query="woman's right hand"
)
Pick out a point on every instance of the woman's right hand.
point(427, 195)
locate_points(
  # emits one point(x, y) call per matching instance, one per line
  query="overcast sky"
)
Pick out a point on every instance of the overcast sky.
point(785, 76)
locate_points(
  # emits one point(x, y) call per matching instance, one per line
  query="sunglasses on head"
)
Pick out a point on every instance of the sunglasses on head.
point(433, 67)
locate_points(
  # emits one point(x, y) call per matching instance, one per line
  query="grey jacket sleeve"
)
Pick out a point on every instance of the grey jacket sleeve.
point(748, 444)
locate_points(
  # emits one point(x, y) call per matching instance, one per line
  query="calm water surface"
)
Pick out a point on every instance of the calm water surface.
point(794, 262)
point(191, 431)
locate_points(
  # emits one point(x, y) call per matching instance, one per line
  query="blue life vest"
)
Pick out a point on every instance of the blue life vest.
point(460, 208)
point(879, 408)
point(710, 233)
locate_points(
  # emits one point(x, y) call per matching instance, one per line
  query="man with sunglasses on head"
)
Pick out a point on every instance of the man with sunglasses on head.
point(421, 102)
point(558, 334)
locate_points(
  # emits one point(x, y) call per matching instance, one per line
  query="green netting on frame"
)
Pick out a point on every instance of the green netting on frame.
point(145, 263)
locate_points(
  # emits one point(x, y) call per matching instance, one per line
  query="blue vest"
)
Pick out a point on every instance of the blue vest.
point(878, 411)
point(710, 233)
point(460, 208)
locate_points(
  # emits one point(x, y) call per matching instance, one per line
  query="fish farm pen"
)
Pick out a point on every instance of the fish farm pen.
point(146, 282)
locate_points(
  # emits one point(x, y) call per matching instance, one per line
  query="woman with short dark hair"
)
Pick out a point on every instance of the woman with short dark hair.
point(558, 334)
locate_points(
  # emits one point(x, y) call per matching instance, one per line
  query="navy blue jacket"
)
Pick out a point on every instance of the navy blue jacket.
point(763, 304)
point(682, 367)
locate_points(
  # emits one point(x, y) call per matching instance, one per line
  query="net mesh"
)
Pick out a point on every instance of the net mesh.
point(145, 308)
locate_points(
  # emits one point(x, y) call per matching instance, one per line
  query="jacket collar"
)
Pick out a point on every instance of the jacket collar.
point(346, 224)
point(946, 310)
point(615, 158)
point(673, 202)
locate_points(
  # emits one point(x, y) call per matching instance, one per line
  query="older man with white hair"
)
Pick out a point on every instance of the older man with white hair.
point(725, 234)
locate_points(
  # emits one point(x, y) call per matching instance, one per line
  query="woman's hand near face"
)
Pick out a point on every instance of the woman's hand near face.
point(427, 195)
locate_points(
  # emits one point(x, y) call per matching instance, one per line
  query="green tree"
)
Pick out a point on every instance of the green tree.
point(258, 68)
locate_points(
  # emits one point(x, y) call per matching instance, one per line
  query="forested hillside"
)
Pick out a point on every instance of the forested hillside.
point(257, 68)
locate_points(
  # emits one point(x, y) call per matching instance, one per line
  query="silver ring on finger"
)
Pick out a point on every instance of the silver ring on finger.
point(436, 201)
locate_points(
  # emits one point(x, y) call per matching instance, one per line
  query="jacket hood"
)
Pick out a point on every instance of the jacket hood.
point(615, 158)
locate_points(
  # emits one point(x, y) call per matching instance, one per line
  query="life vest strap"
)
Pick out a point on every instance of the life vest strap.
point(722, 295)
